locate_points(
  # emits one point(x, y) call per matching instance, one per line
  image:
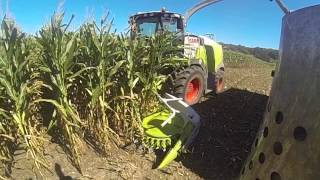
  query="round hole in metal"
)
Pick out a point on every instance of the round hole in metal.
point(300, 133)
point(251, 165)
point(265, 132)
point(275, 176)
point(262, 158)
point(279, 117)
point(277, 148)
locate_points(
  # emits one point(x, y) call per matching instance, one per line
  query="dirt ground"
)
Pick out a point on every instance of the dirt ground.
point(229, 120)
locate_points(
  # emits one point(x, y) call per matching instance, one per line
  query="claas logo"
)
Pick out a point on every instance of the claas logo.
point(193, 40)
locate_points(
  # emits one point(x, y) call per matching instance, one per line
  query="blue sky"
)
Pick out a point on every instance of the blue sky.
point(247, 22)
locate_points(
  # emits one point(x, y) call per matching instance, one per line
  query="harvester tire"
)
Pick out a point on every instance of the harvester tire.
point(189, 84)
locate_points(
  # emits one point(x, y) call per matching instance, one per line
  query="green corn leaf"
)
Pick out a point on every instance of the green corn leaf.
point(9, 89)
point(69, 53)
point(53, 121)
point(19, 122)
point(74, 116)
point(134, 82)
point(55, 103)
point(95, 95)
point(115, 68)
point(78, 73)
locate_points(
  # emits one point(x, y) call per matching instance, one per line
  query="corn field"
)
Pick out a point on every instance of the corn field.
point(90, 85)
point(235, 59)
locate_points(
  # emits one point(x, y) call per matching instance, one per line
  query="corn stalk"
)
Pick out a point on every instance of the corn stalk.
point(59, 48)
point(19, 88)
point(99, 47)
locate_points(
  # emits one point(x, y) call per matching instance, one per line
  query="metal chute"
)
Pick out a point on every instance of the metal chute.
point(283, 6)
point(196, 8)
point(206, 3)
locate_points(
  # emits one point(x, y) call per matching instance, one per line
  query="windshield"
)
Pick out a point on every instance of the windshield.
point(169, 24)
point(148, 26)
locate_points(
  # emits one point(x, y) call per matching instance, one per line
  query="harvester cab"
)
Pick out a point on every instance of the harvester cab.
point(149, 23)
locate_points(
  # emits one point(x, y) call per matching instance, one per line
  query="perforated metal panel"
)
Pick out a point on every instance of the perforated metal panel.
point(287, 146)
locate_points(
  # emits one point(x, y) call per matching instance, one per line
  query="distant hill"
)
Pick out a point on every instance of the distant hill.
point(269, 55)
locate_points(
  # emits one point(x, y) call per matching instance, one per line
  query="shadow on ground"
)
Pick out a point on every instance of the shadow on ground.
point(229, 123)
point(60, 174)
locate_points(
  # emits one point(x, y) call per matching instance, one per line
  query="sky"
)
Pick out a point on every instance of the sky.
point(253, 23)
